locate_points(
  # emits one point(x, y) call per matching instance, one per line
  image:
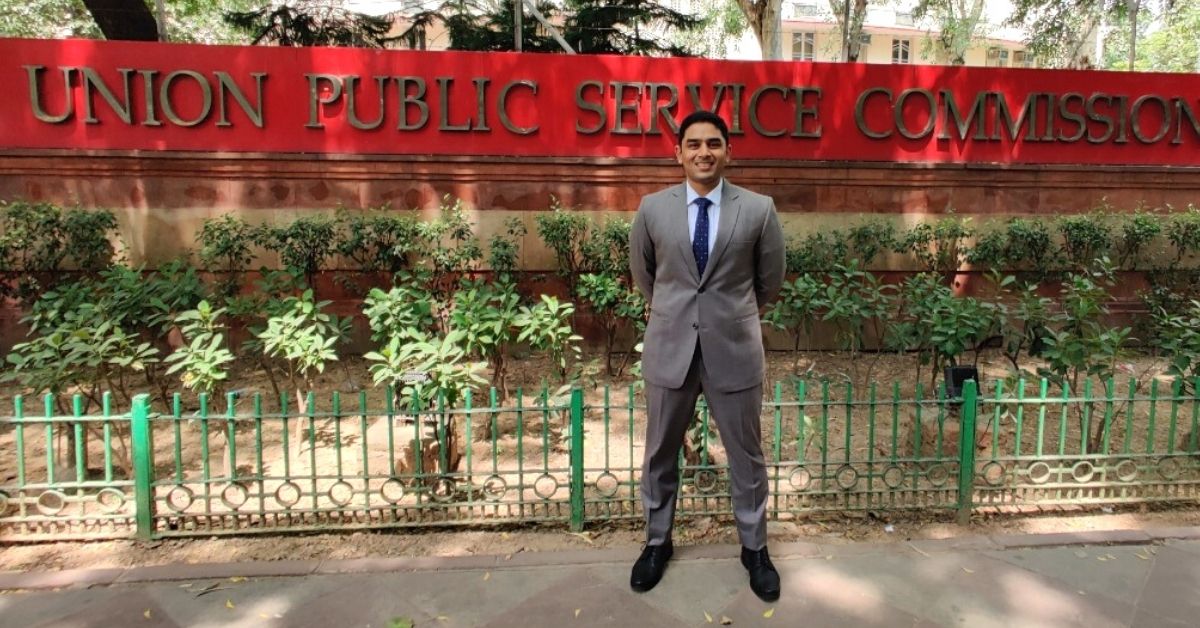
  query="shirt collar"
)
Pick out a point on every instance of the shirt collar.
point(714, 195)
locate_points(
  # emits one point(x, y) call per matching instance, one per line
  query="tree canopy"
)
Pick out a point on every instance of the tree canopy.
point(630, 27)
point(311, 24)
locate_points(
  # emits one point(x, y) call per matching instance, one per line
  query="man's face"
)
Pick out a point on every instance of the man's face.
point(703, 154)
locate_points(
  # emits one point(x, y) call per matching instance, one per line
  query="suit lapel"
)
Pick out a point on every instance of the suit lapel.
point(679, 202)
point(731, 206)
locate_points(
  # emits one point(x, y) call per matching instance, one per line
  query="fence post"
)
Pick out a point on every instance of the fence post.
point(966, 451)
point(143, 466)
point(577, 506)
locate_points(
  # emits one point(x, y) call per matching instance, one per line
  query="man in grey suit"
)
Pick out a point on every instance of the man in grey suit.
point(708, 255)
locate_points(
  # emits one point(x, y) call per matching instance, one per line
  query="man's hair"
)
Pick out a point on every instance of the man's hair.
point(702, 116)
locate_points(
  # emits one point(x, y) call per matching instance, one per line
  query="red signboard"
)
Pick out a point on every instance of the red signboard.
point(121, 95)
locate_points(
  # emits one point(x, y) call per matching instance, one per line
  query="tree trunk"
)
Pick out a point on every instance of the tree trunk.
point(1134, 7)
point(123, 19)
point(764, 17)
point(852, 32)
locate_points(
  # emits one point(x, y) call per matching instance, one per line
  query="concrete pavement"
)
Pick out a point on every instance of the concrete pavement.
point(1142, 578)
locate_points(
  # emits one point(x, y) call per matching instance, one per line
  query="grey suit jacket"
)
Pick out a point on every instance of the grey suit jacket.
point(744, 273)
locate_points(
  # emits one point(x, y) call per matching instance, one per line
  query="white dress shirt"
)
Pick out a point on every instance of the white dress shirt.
point(714, 212)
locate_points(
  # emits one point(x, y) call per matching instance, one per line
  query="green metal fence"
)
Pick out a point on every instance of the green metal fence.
point(251, 464)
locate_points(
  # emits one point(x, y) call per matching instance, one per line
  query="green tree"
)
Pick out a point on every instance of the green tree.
point(626, 27)
point(1061, 32)
point(196, 21)
point(1167, 43)
point(629, 27)
point(721, 23)
point(472, 27)
point(46, 19)
point(857, 15)
point(311, 23)
point(959, 22)
point(764, 17)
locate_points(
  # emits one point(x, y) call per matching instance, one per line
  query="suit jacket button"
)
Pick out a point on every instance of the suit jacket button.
point(695, 325)
point(701, 291)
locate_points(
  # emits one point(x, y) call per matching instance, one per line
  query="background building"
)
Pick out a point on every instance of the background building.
point(892, 35)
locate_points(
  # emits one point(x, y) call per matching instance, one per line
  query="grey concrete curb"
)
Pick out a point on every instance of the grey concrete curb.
point(85, 578)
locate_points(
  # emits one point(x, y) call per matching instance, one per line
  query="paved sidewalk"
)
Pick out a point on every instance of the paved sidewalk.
point(1143, 578)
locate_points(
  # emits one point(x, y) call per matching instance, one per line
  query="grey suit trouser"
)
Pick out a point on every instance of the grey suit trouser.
point(670, 411)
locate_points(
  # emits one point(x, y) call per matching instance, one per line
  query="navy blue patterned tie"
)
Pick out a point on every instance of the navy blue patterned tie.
point(700, 239)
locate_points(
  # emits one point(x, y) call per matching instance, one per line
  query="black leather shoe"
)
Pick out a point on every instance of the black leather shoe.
point(764, 580)
point(649, 568)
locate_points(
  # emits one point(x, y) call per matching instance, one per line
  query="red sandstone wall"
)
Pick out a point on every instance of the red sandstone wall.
point(166, 182)
point(162, 198)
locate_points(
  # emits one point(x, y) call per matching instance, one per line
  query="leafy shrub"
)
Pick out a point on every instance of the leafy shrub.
point(605, 250)
point(938, 325)
point(563, 231)
point(1178, 337)
point(870, 239)
point(545, 327)
point(225, 246)
point(856, 304)
point(202, 360)
point(304, 245)
point(453, 247)
point(799, 305)
point(505, 248)
point(380, 241)
point(618, 306)
point(41, 238)
point(939, 247)
point(443, 361)
point(486, 315)
point(1085, 238)
point(817, 252)
point(407, 306)
point(1022, 244)
point(302, 336)
point(1135, 238)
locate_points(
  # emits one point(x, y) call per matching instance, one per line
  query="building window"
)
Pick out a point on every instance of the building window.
point(900, 50)
point(904, 19)
point(997, 57)
point(1022, 59)
point(806, 9)
point(803, 46)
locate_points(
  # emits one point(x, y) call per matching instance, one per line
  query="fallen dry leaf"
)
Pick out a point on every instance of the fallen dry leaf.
point(443, 618)
point(216, 586)
point(263, 616)
point(146, 614)
point(725, 621)
point(238, 579)
point(770, 612)
point(968, 570)
point(577, 612)
point(707, 617)
point(487, 576)
point(228, 603)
